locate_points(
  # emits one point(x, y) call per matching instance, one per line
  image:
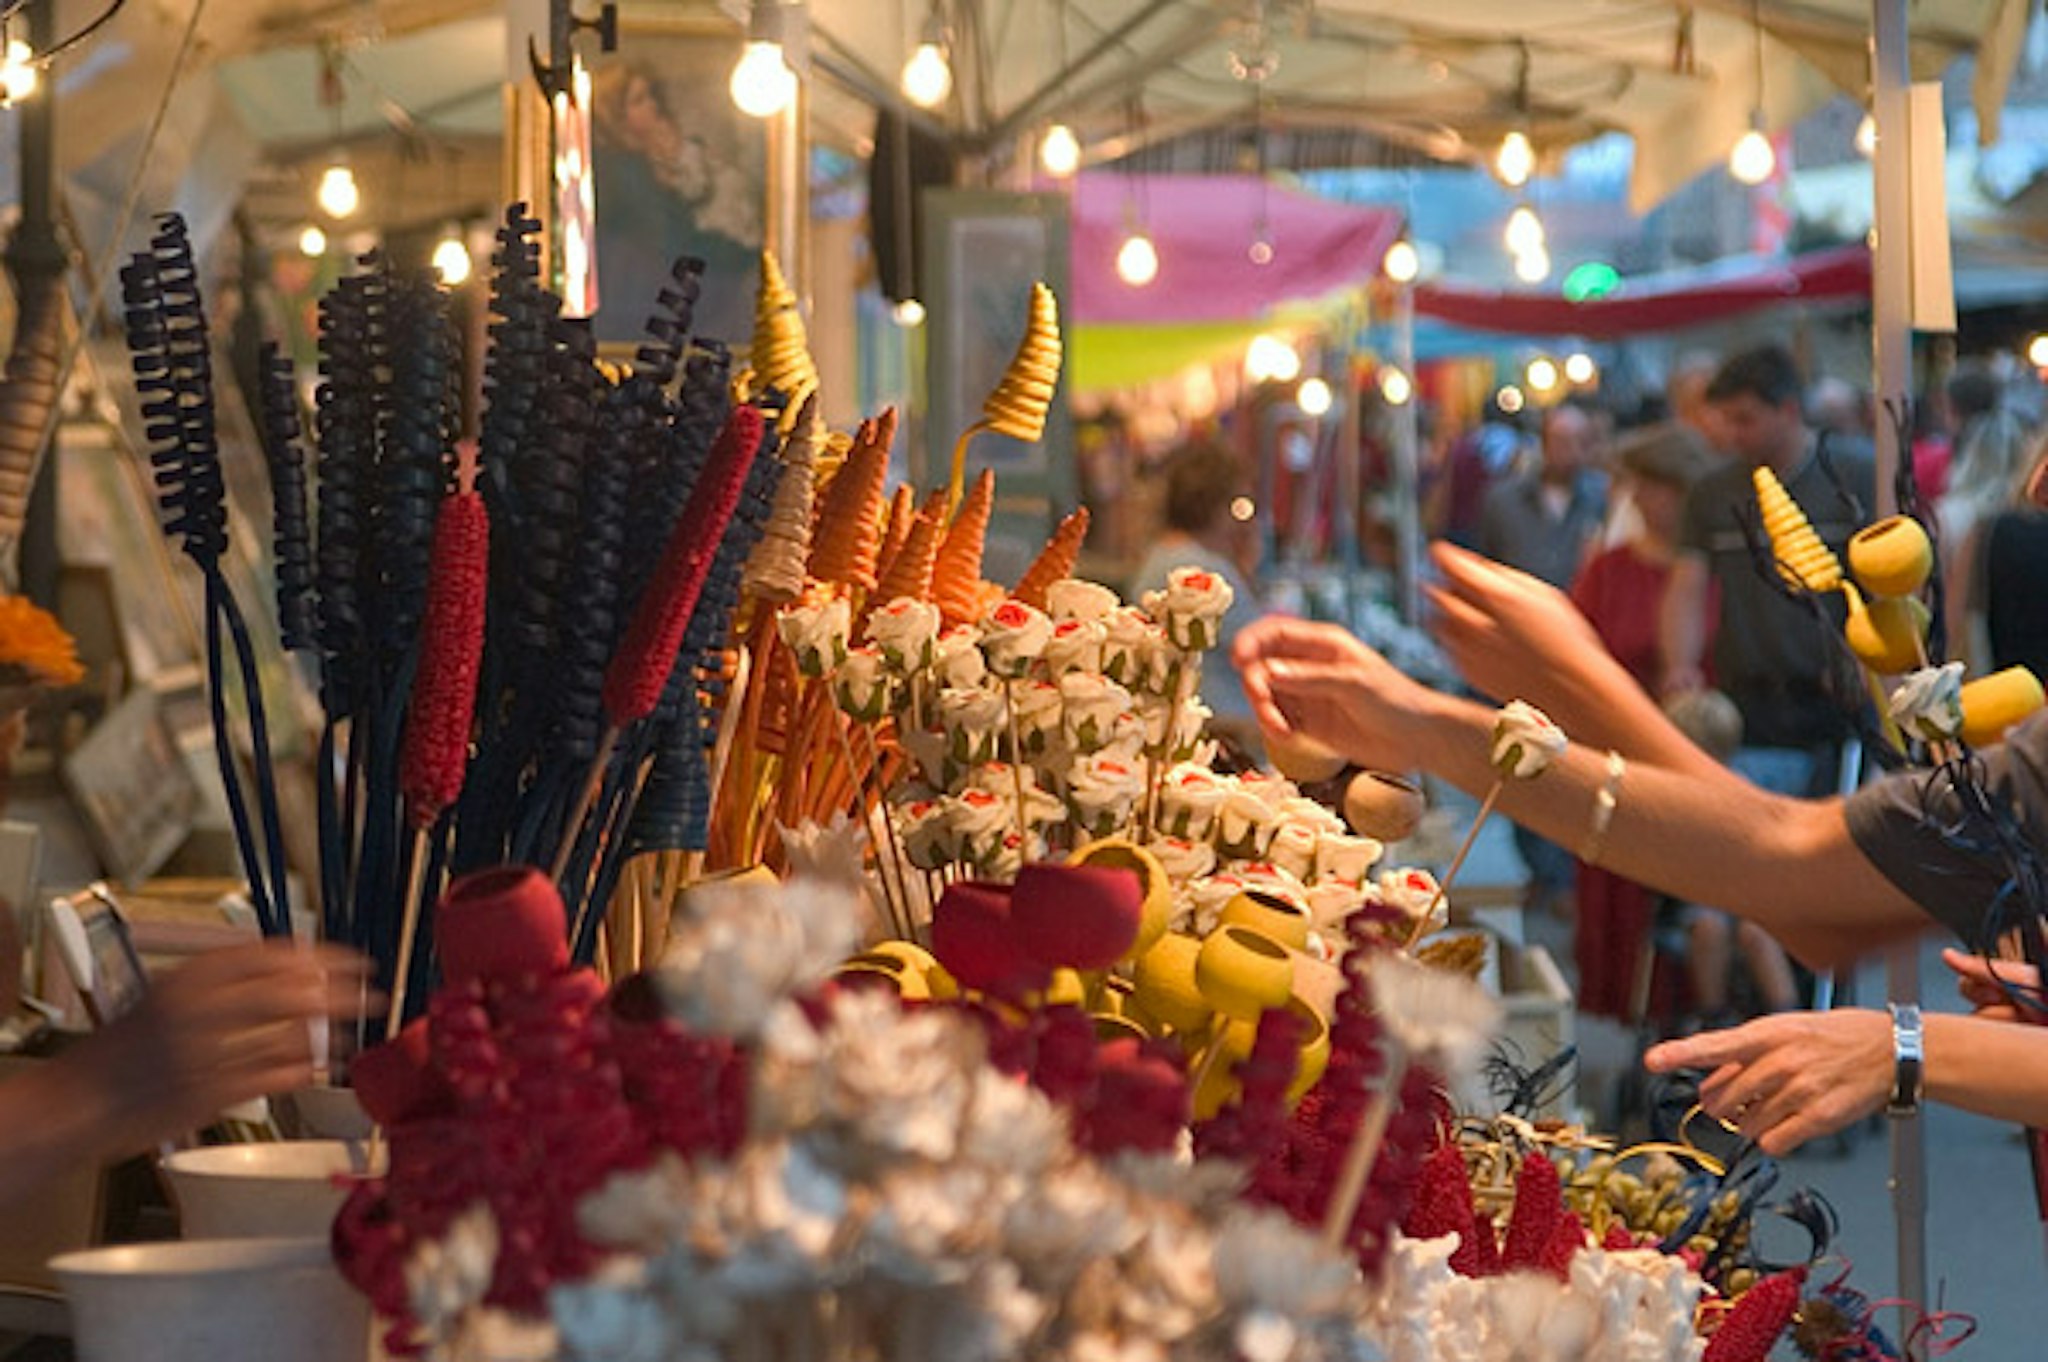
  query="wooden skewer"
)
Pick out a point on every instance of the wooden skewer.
point(408, 933)
point(1443, 887)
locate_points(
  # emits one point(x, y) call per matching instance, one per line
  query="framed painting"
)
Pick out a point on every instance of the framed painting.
point(679, 171)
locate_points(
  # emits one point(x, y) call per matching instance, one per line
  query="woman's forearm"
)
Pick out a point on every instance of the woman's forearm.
point(1702, 834)
point(1994, 1068)
point(57, 1117)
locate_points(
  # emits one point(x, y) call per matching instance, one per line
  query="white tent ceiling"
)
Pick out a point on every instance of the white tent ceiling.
point(1446, 79)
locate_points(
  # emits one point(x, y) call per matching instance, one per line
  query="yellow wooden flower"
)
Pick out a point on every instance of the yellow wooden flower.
point(34, 649)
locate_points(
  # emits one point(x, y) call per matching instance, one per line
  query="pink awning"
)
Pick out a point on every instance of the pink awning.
point(1822, 276)
point(1203, 226)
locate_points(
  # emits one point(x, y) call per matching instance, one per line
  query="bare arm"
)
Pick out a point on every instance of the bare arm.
point(1703, 834)
point(1682, 624)
point(1788, 1078)
point(1512, 634)
point(226, 1027)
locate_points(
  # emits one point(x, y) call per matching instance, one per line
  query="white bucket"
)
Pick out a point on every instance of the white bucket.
point(286, 1190)
point(222, 1300)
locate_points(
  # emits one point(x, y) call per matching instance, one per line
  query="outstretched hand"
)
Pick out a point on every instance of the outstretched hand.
point(1988, 985)
point(1316, 681)
point(224, 1027)
point(1790, 1077)
point(1508, 631)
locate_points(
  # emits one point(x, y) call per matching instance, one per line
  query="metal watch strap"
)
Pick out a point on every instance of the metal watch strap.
point(1908, 1057)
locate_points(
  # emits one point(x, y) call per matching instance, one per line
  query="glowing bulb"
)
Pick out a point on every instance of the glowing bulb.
point(1866, 137)
point(1269, 359)
point(1579, 368)
point(313, 241)
point(17, 71)
point(451, 260)
point(338, 195)
point(1314, 397)
point(1533, 267)
point(1396, 387)
point(1524, 232)
point(1137, 260)
point(927, 76)
point(1509, 399)
point(1541, 374)
point(1515, 162)
point(2037, 352)
point(909, 313)
point(762, 84)
point(1402, 263)
point(1751, 160)
point(1260, 252)
point(1243, 509)
point(1060, 152)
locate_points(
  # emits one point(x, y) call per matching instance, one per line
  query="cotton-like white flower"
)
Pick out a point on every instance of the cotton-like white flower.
point(1196, 602)
point(817, 632)
point(639, 1208)
point(1525, 742)
point(1189, 796)
point(613, 1317)
point(1013, 637)
point(862, 685)
point(1279, 1280)
point(1928, 703)
point(738, 949)
point(1445, 1020)
point(956, 657)
point(1073, 1216)
point(898, 1080)
point(1012, 1126)
point(1074, 599)
point(834, 852)
point(1090, 705)
point(1075, 646)
point(446, 1278)
point(907, 632)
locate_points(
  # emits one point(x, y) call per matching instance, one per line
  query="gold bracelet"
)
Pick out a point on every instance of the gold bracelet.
point(1605, 801)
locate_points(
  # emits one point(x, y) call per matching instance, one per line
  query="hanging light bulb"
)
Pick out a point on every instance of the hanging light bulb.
point(2037, 352)
point(1542, 375)
point(1509, 399)
point(1533, 267)
point(17, 72)
point(1260, 252)
point(1402, 263)
point(451, 259)
point(1579, 368)
point(338, 195)
point(1751, 160)
point(1866, 136)
point(1314, 397)
point(1524, 231)
point(928, 76)
point(908, 313)
point(313, 241)
point(1396, 387)
point(763, 83)
point(1060, 152)
point(1270, 359)
point(1137, 260)
point(1515, 162)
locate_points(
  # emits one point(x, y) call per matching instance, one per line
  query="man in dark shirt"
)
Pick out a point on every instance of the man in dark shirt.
point(1768, 653)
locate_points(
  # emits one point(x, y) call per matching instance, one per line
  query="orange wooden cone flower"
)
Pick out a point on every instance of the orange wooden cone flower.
point(1055, 561)
point(956, 579)
point(844, 540)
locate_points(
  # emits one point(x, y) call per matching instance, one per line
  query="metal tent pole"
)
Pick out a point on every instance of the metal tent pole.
point(1407, 463)
point(1891, 341)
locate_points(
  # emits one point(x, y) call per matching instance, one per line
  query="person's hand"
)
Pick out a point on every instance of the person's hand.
point(1979, 984)
point(1790, 1077)
point(1508, 632)
point(226, 1026)
point(1318, 682)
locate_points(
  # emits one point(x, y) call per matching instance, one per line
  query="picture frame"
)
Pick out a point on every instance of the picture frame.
point(133, 788)
point(92, 939)
point(678, 171)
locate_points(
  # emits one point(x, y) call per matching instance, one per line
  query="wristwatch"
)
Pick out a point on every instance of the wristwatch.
point(1908, 1078)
